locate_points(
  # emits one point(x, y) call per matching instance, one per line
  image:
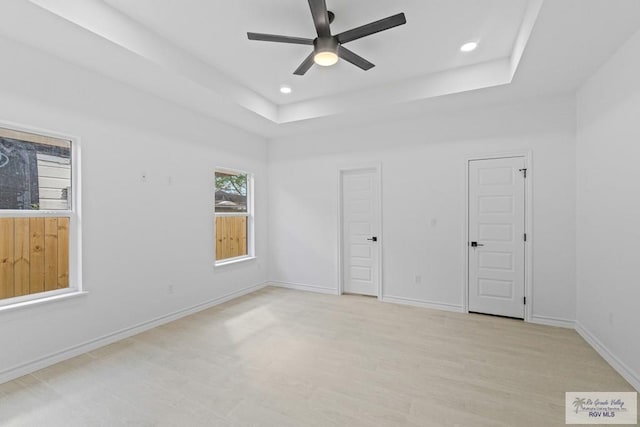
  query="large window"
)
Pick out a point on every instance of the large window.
point(233, 216)
point(37, 216)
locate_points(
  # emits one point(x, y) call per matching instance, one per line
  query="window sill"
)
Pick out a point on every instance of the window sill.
point(42, 300)
point(231, 261)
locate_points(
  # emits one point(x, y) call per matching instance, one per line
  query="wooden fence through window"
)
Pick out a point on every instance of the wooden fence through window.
point(231, 236)
point(34, 255)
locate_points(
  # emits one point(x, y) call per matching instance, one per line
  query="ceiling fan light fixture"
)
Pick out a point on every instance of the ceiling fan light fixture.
point(325, 59)
point(325, 51)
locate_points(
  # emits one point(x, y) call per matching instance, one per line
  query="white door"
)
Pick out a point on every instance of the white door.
point(360, 240)
point(496, 236)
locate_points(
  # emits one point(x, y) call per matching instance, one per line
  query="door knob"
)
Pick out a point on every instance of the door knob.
point(373, 239)
point(476, 244)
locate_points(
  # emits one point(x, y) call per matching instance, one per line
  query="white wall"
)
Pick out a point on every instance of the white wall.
point(608, 209)
point(423, 163)
point(138, 238)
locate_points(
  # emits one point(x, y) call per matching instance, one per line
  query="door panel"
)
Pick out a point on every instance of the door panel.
point(359, 224)
point(497, 224)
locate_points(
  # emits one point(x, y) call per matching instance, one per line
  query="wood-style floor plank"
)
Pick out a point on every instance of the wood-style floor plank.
point(286, 358)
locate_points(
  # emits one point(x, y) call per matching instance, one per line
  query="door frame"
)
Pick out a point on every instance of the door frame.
point(528, 227)
point(377, 168)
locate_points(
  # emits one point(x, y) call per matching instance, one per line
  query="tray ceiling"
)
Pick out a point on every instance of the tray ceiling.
point(195, 53)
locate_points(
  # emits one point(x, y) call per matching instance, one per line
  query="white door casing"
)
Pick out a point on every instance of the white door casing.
point(360, 218)
point(496, 282)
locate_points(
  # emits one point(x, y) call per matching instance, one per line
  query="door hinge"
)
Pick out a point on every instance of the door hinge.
point(525, 237)
point(524, 172)
point(525, 300)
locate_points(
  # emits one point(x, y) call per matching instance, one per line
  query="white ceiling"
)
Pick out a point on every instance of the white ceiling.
point(169, 48)
point(216, 33)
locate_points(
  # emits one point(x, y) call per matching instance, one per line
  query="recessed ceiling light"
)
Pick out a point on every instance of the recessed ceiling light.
point(469, 46)
point(285, 89)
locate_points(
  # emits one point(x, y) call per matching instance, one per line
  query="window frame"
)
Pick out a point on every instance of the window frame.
point(74, 214)
point(249, 214)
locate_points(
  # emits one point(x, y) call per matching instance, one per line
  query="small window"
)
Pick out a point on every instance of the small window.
point(233, 216)
point(37, 215)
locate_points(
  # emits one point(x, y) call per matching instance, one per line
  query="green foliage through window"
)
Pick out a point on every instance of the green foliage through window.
point(231, 192)
point(231, 183)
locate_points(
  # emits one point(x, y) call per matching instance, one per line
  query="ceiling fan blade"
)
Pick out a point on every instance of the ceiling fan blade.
point(372, 28)
point(320, 17)
point(306, 64)
point(279, 39)
point(356, 60)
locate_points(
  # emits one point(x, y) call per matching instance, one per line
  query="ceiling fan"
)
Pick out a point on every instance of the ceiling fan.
point(327, 48)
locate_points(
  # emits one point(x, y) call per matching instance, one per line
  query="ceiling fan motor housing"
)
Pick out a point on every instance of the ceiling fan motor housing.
point(325, 44)
point(325, 51)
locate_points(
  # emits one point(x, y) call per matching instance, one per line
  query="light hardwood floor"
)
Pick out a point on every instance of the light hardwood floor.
point(287, 358)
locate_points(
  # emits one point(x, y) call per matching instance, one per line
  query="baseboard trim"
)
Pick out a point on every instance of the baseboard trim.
point(617, 364)
point(301, 287)
point(59, 356)
point(424, 304)
point(553, 321)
